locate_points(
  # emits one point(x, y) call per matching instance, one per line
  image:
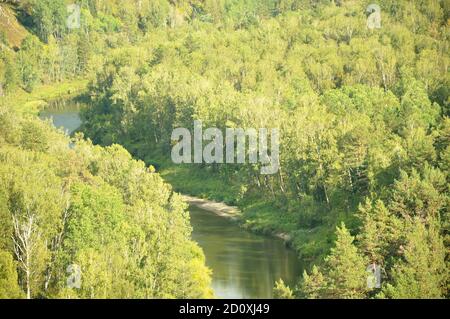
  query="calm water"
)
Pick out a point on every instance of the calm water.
point(64, 114)
point(244, 265)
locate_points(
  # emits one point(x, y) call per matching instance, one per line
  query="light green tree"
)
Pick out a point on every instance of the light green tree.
point(281, 291)
point(345, 268)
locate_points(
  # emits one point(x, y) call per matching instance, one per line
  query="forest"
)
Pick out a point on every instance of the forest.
point(364, 124)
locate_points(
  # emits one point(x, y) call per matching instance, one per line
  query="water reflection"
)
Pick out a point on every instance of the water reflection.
point(244, 265)
point(64, 114)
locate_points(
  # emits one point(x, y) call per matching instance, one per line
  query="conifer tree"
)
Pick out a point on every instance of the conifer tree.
point(282, 291)
point(422, 272)
point(314, 284)
point(346, 268)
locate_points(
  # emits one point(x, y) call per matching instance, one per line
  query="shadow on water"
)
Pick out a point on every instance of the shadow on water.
point(244, 265)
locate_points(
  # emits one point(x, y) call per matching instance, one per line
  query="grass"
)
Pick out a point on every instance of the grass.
point(258, 214)
point(190, 181)
point(311, 240)
point(26, 102)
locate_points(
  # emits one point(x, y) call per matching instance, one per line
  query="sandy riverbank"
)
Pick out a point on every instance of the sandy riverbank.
point(221, 209)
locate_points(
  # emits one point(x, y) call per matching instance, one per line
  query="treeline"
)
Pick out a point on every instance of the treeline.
point(89, 222)
point(87, 207)
point(364, 130)
point(53, 52)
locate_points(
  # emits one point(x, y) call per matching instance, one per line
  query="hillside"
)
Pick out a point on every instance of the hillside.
point(359, 95)
point(10, 28)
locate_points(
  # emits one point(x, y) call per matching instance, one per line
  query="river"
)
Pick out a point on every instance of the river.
point(244, 265)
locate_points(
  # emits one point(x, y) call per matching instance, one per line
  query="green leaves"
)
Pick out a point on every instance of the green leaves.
point(49, 18)
point(281, 291)
point(92, 207)
point(360, 112)
point(9, 287)
point(357, 111)
point(346, 268)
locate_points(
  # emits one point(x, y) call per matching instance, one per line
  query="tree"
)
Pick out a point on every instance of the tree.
point(414, 196)
point(49, 17)
point(9, 287)
point(95, 208)
point(379, 232)
point(9, 73)
point(314, 285)
point(344, 274)
point(416, 108)
point(346, 268)
point(281, 291)
point(34, 217)
point(422, 272)
point(28, 64)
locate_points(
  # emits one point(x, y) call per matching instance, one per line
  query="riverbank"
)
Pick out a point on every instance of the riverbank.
point(35, 101)
point(230, 212)
point(220, 209)
point(258, 214)
point(244, 264)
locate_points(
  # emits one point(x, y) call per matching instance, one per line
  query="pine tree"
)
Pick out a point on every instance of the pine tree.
point(414, 196)
point(379, 232)
point(423, 272)
point(314, 285)
point(282, 291)
point(346, 268)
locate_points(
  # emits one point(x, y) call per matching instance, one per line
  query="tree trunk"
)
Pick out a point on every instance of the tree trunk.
point(27, 272)
point(24, 243)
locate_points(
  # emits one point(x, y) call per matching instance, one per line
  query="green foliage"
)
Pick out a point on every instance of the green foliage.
point(49, 18)
point(346, 268)
point(345, 272)
point(379, 231)
point(422, 272)
point(364, 140)
point(9, 287)
point(93, 207)
point(416, 197)
point(9, 74)
point(281, 291)
point(313, 285)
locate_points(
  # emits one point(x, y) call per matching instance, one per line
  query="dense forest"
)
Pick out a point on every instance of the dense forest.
point(94, 207)
point(364, 147)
